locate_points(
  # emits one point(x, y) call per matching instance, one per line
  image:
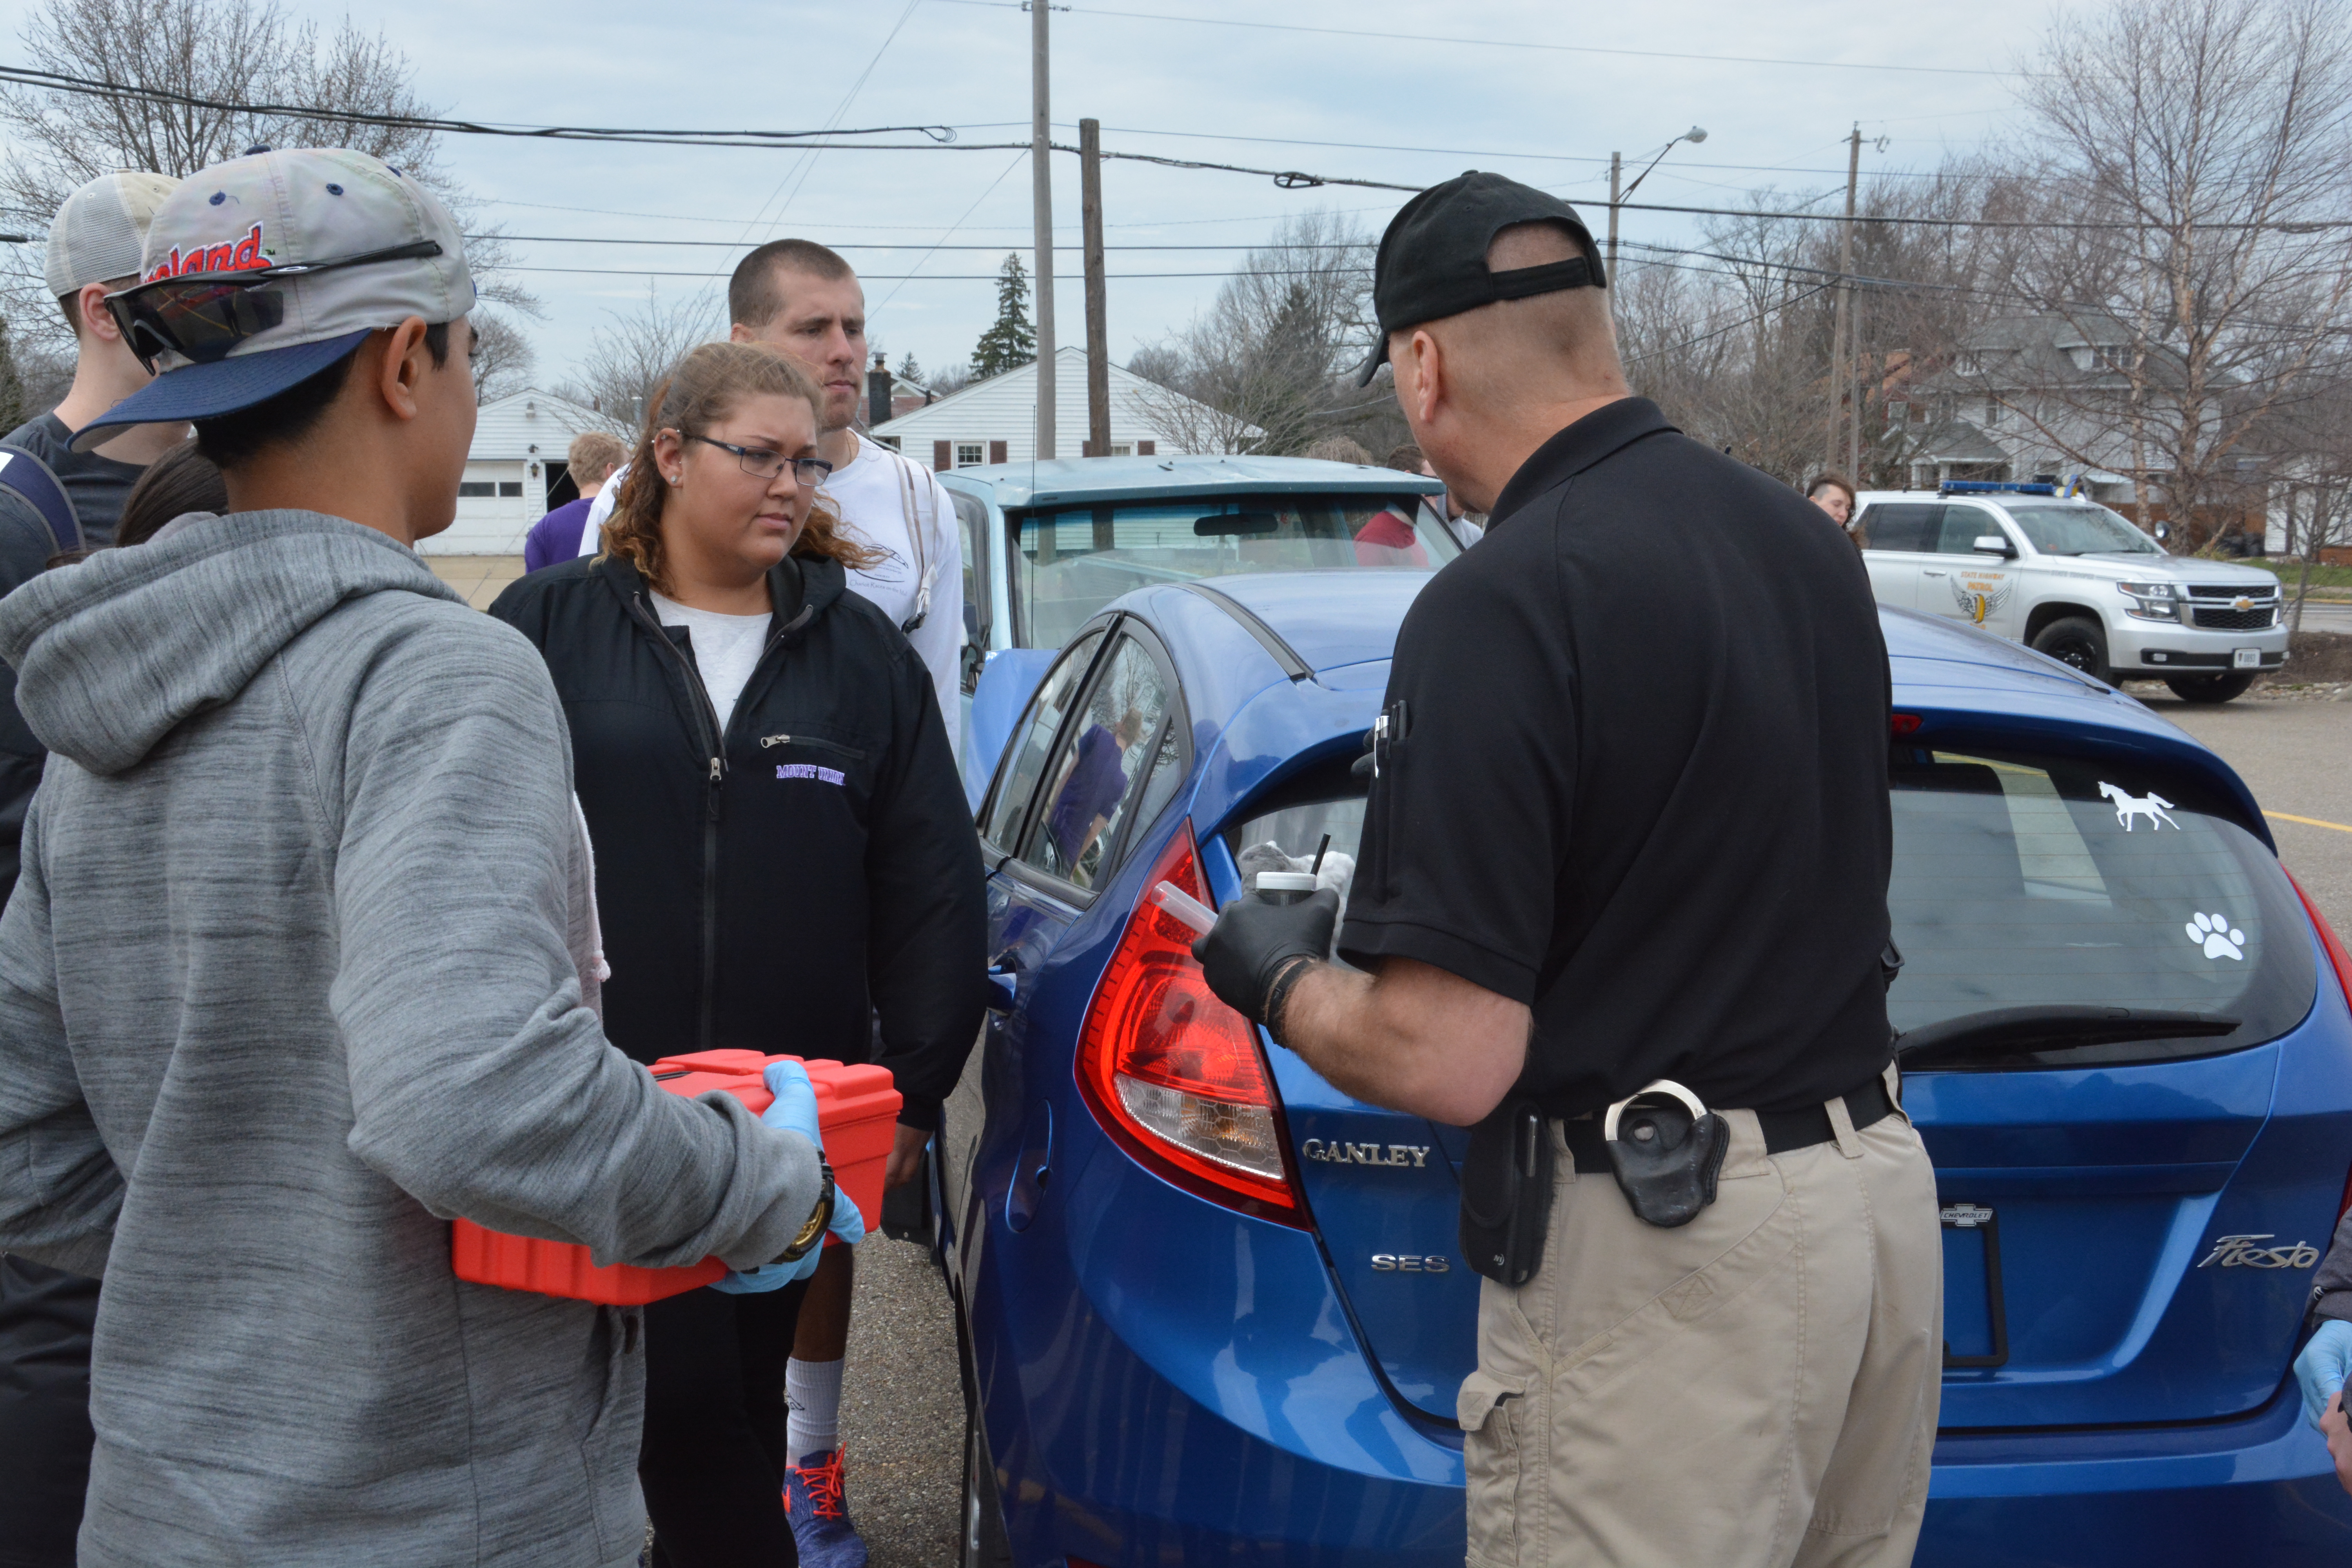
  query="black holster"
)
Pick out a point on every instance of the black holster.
point(1507, 1192)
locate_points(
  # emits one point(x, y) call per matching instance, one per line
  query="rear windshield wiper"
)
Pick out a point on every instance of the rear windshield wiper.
point(2017, 1031)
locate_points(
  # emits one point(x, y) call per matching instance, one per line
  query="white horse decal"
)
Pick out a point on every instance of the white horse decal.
point(2150, 806)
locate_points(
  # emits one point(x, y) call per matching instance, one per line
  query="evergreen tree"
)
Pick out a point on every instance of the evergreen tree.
point(1011, 341)
point(910, 371)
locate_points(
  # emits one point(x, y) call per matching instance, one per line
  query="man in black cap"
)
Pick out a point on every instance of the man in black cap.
point(1621, 907)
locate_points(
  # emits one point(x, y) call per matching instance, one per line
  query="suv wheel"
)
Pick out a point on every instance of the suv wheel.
point(2078, 641)
point(2210, 688)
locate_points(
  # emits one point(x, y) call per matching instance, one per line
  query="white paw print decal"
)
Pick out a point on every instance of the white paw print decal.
point(2213, 933)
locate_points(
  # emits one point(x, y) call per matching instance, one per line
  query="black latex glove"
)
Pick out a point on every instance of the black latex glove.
point(1253, 939)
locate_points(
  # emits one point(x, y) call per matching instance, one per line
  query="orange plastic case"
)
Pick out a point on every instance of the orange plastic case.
point(857, 1107)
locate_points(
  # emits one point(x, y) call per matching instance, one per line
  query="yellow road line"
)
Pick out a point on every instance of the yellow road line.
point(2308, 821)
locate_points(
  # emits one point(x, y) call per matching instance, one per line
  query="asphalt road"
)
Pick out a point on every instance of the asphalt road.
point(902, 1409)
point(2319, 618)
point(2293, 754)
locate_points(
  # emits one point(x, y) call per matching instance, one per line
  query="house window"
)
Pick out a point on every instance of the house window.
point(1992, 410)
point(476, 487)
point(512, 489)
point(971, 454)
point(889, 441)
point(1122, 448)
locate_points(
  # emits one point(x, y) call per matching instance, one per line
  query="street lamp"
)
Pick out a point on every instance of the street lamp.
point(1695, 135)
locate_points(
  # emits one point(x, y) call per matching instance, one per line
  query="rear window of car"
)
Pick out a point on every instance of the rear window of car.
point(1070, 561)
point(2023, 882)
point(2019, 883)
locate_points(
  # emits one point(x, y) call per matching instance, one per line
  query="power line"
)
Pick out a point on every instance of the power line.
point(1521, 43)
point(1286, 179)
point(54, 81)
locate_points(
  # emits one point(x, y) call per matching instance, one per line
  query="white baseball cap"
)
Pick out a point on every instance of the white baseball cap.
point(101, 232)
point(339, 244)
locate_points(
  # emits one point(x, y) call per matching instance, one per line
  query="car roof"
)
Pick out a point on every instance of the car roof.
point(1341, 627)
point(1068, 480)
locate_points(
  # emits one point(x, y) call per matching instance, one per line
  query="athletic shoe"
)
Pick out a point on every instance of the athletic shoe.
point(819, 1511)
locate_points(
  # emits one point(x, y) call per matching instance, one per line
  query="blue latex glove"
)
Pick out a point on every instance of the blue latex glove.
point(2322, 1366)
point(793, 1107)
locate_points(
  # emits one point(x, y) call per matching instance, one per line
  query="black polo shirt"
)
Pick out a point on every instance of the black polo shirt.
point(1636, 778)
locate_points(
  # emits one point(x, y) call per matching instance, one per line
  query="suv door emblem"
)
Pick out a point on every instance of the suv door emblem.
point(2240, 1252)
point(1333, 1152)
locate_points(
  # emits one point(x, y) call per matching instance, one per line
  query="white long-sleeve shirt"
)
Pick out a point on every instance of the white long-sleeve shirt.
point(898, 504)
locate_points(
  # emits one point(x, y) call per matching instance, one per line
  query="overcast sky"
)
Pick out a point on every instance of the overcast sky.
point(1216, 84)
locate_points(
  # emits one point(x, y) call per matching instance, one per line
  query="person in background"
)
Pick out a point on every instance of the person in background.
point(785, 853)
point(593, 457)
point(299, 965)
point(1467, 529)
point(93, 251)
point(1834, 495)
point(1339, 449)
point(1093, 784)
point(182, 480)
point(45, 1314)
point(2321, 1368)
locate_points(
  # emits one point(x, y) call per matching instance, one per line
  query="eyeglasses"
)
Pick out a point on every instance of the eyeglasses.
point(201, 316)
point(763, 464)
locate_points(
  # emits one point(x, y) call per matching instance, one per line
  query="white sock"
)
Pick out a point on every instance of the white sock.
point(812, 1402)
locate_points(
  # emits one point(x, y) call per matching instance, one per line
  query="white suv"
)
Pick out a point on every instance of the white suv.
point(2072, 580)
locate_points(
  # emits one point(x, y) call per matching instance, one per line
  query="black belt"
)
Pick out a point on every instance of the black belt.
point(1783, 1130)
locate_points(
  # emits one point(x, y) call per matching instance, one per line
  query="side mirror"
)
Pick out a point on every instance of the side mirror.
point(1994, 544)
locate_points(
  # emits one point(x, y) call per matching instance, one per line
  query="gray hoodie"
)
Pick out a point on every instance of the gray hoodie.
point(293, 974)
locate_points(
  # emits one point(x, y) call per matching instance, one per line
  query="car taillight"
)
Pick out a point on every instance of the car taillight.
point(1175, 1075)
point(2343, 962)
point(1903, 723)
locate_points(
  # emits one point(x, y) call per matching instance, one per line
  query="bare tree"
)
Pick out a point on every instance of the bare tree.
point(2212, 135)
point(1261, 370)
point(503, 358)
point(630, 358)
point(215, 52)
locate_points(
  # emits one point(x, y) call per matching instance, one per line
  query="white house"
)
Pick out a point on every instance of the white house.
point(516, 462)
point(995, 421)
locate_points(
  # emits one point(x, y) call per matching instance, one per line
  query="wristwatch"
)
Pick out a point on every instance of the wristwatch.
point(820, 1220)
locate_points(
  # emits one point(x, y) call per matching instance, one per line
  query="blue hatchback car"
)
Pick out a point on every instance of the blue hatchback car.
point(1213, 1311)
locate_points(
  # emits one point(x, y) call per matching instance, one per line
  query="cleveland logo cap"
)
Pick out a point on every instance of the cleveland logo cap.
point(101, 232)
point(1432, 260)
point(261, 271)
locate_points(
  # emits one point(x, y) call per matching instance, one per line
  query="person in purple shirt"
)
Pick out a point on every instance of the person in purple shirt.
point(556, 537)
point(1092, 788)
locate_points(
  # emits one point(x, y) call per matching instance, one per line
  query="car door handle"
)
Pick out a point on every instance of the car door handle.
point(1924, 572)
point(1001, 984)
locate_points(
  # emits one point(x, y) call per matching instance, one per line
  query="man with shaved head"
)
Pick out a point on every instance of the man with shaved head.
point(1621, 910)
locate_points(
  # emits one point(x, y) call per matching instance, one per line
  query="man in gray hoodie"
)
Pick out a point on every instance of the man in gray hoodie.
point(300, 962)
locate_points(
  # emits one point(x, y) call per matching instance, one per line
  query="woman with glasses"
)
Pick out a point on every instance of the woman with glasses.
point(783, 850)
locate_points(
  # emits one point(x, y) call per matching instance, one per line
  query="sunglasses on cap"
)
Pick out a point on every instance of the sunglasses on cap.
point(202, 316)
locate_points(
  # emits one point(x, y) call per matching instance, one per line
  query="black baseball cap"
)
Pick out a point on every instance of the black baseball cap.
point(1432, 260)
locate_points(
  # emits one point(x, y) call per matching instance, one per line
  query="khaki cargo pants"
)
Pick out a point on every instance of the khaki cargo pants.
point(1757, 1387)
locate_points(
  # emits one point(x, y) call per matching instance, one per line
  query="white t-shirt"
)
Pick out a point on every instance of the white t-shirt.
point(874, 493)
point(726, 649)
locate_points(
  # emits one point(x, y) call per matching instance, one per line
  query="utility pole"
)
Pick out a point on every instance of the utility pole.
point(1838, 378)
point(1090, 217)
point(1616, 166)
point(1041, 163)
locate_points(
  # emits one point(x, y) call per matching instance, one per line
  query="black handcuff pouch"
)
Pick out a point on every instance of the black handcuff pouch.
point(1667, 1156)
point(1507, 1192)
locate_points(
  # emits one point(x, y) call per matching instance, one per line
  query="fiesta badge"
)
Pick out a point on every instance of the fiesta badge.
point(2240, 1252)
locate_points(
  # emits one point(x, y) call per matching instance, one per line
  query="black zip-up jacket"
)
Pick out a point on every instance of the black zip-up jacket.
point(763, 889)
